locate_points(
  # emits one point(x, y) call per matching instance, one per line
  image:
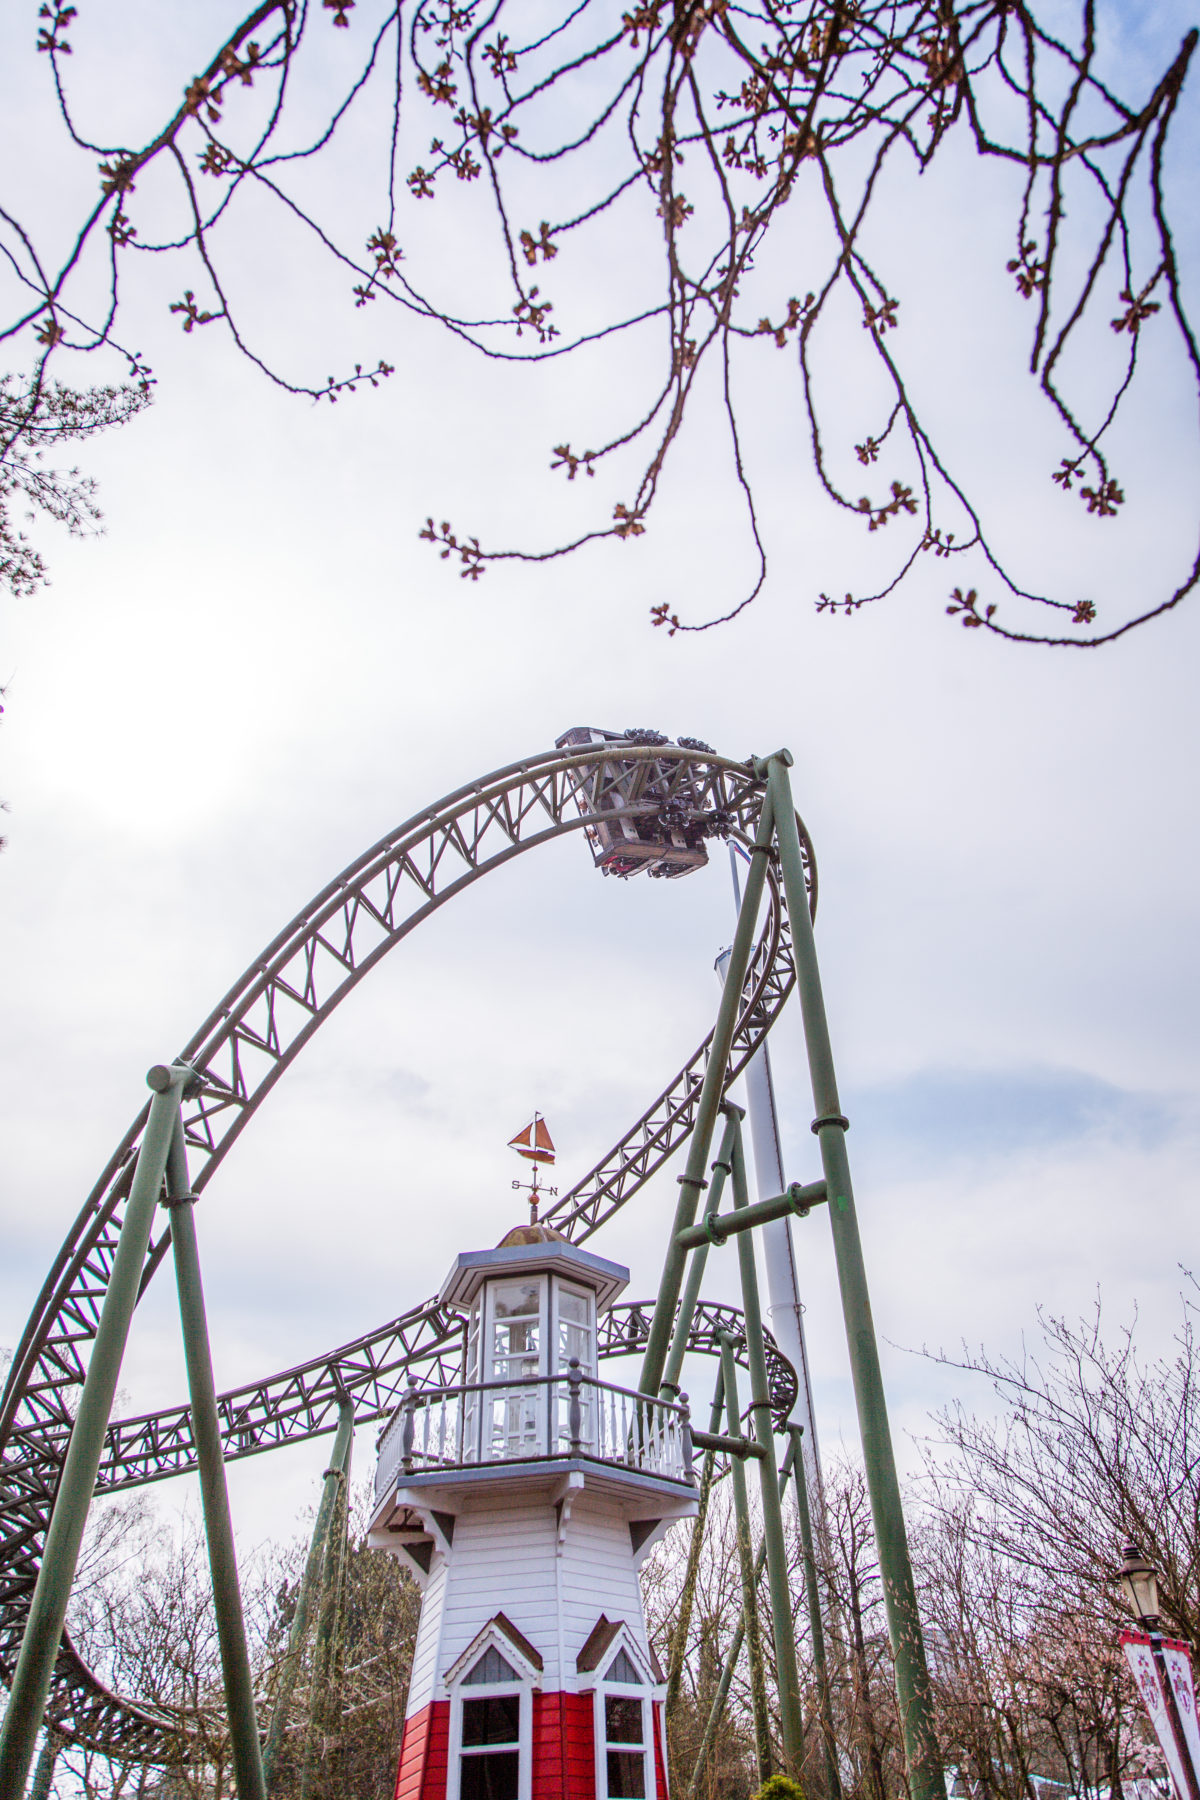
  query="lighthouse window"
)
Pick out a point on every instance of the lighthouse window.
point(621, 1669)
point(576, 1333)
point(623, 1763)
point(574, 1336)
point(625, 1747)
point(490, 1669)
point(496, 1720)
point(516, 1420)
point(490, 1726)
point(516, 1329)
point(487, 1772)
point(473, 1345)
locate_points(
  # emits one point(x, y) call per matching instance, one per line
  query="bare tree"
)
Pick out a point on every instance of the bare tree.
point(1092, 1446)
point(142, 1615)
point(352, 1755)
point(36, 417)
point(869, 1726)
point(1030, 1685)
point(730, 1770)
point(689, 138)
point(1025, 1514)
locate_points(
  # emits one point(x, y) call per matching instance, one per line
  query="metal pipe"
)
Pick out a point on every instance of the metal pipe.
point(741, 1513)
point(695, 1274)
point(214, 1494)
point(735, 1650)
point(335, 1474)
point(815, 1624)
point(692, 1181)
point(687, 1598)
point(785, 1308)
point(787, 1673)
point(926, 1781)
point(48, 1609)
point(716, 1228)
point(740, 1447)
point(43, 1774)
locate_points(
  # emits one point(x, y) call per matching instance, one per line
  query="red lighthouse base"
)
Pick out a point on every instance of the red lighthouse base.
point(564, 1750)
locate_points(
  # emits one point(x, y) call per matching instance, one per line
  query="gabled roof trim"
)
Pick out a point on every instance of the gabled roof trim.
point(599, 1638)
point(511, 1643)
point(603, 1640)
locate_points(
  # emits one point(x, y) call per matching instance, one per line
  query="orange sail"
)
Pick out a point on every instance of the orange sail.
point(534, 1141)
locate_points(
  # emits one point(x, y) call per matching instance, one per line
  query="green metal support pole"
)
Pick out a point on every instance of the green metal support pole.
point(741, 1447)
point(669, 1386)
point(328, 1645)
point(751, 1625)
point(692, 1181)
point(687, 1598)
point(335, 1475)
point(816, 1626)
point(735, 1650)
point(210, 1457)
point(48, 1608)
point(926, 1781)
point(43, 1774)
point(715, 1228)
point(787, 1673)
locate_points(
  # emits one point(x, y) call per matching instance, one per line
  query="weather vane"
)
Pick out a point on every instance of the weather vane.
point(534, 1142)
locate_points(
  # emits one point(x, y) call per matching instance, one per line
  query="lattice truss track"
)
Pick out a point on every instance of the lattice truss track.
point(240, 1052)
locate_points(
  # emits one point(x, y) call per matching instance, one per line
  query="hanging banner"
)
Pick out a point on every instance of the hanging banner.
point(1178, 1658)
point(1140, 1658)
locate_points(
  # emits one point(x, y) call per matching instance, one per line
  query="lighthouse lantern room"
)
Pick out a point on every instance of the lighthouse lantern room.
point(524, 1500)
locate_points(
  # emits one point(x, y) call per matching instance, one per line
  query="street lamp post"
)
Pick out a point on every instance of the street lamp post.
point(1139, 1587)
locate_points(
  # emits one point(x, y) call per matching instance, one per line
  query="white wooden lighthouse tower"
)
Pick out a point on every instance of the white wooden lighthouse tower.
point(524, 1501)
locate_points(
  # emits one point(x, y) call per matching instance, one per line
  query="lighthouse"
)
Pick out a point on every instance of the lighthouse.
point(524, 1500)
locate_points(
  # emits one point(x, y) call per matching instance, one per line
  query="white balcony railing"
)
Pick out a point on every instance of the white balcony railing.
point(531, 1420)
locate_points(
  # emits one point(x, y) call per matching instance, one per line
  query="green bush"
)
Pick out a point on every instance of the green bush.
point(780, 1787)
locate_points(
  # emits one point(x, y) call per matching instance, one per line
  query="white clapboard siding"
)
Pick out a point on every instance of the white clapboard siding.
point(506, 1558)
point(425, 1653)
point(599, 1574)
point(504, 1561)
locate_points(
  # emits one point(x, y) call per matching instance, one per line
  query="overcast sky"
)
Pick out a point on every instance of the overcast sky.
point(259, 670)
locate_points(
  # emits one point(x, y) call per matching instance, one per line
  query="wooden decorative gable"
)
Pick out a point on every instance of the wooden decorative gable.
point(612, 1652)
point(499, 1639)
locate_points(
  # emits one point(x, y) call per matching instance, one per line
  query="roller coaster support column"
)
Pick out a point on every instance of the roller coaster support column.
point(214, 1495)
point(750, 1619)
point(735, 1650)
point(669, 1386)
point(692, 1181)
point(786, 1672)
point(335, 1476)
point(904, 1624)
point(815, 1624)
point(784, 1307)
point(43, 1774)
point(77, 1483)
point(687, 1597)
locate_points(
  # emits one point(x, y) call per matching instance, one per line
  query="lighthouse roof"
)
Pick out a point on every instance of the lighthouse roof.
point(531, 1234)
point(529, 1250)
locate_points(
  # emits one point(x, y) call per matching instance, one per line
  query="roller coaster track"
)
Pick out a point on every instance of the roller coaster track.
point(240, 1052)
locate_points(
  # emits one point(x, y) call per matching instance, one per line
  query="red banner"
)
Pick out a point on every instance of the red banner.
point(1177, 1657)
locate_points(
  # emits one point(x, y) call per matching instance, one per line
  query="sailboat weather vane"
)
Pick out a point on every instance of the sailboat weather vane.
point(534, 1142)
